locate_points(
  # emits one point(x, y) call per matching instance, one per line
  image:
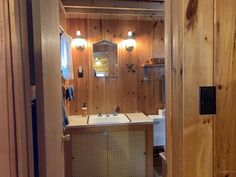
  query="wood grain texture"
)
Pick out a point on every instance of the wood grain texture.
point(145, 88)
point(191, 63)
point(127, 92)
point(168, 84)
point(111, 4)
point(225, 80)
point(21, 85)
point(48, 87)
point(63, 17)
point(197, 71)
point(15, 87)
point(8, 164)
point(128, 80)
point(226, 174)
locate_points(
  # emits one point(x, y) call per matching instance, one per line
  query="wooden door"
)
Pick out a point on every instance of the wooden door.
point(225, 80)
point(7, 141)
point(46, 49)
point(15, 116)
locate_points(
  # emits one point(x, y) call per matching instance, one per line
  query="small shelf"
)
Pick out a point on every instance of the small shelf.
point(153, 65)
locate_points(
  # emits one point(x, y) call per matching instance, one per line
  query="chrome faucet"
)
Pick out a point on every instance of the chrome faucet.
point(99, 114)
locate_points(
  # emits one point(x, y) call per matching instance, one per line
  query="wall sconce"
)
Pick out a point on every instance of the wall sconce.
point(129, 42)
point(79, 42)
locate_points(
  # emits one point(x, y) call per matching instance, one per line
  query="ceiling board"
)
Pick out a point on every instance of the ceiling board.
point(115, 4)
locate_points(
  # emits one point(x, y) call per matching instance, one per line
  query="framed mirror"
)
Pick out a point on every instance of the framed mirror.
point(105, 62)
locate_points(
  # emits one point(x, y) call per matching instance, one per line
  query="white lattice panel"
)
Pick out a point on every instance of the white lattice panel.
point(113, 154)
point(126, 154)
point(89, 154)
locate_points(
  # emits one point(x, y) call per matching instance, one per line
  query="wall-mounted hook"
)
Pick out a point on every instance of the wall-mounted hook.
point(130, 68)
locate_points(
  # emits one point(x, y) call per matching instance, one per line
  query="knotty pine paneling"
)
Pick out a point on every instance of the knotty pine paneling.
point(225, 81)
point(128, 80)
point(190, 65)
point(197, 70)
point(128, 92)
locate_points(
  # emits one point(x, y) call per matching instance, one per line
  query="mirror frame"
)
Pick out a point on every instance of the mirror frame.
point(104, 40)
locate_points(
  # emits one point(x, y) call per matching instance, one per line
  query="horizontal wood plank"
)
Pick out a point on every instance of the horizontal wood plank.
point(112, 4)
point(73, 10)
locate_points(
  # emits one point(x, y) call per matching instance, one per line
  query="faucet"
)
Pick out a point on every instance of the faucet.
point(114, 114)
point(99, 114)
point(117, 110)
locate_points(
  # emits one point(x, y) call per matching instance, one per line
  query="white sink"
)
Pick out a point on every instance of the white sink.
point(108, 119)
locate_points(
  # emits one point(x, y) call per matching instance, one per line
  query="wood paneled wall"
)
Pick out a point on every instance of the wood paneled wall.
point(202, 53)
point(129, 91)
point(225, 81)
point(190, 66)
point(63, 16)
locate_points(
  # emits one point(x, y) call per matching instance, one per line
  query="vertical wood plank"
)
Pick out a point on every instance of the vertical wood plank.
point(192, 67)
point(7, 131)
point(96, 85)
point(21, 86)
point(48, 87)
point(168, 84)
point(225, 81)
point(197, 71)
point(63, 17)
point(80, 58)
point(128, 79)
point(113, 34)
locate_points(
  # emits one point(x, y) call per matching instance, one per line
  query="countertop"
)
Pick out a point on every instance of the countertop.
point(135, 118)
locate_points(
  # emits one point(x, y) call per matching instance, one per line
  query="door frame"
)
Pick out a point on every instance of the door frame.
point(168, 84)
point(15, 43)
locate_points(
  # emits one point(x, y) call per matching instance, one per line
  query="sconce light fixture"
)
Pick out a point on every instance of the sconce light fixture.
point(79, 42)
point(130, 41)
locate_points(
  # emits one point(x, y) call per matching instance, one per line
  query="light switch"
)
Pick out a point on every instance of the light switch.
point(207, 100)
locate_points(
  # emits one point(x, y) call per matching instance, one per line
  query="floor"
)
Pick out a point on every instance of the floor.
point(157, 172)
point(157, 161)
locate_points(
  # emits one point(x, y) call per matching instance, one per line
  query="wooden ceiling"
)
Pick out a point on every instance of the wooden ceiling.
point(132, 7)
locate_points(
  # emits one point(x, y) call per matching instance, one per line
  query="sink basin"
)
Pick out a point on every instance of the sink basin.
point(108, 119)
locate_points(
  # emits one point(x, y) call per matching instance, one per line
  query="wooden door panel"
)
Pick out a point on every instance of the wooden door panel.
point(7, 150)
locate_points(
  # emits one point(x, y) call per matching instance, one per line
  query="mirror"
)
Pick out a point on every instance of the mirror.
point(105, 59)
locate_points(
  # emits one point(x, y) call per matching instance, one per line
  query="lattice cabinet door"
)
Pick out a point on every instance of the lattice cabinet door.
point(126, 154)
point(89, 155)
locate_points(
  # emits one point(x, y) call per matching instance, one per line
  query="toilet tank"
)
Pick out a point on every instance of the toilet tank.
point(159, 130)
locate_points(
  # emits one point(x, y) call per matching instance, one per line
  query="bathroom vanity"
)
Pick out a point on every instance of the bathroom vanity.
point(109, 146)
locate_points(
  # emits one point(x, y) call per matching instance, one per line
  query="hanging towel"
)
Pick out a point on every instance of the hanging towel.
point(70, 93)
point(64, 118)
point(66, 57)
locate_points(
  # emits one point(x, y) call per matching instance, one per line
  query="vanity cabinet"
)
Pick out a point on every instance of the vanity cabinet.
point(109, 151)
